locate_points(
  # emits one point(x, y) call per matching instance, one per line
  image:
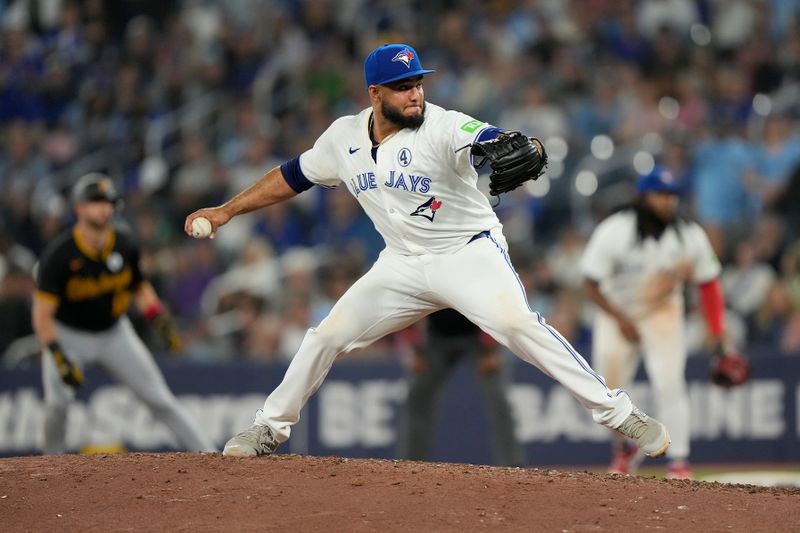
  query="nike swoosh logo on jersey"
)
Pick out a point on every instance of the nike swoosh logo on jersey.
point(354, 150)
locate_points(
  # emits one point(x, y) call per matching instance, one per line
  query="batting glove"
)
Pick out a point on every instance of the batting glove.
point(165, 327)
point(70, 374)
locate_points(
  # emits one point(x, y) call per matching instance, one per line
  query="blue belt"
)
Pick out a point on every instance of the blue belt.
point(478, 236)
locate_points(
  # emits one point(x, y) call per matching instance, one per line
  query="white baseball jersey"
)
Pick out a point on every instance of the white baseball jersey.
point(645, 278)
point(420, 192)
point(640, 276)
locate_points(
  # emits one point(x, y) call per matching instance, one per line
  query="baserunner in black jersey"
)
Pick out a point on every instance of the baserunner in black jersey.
point(86, 280)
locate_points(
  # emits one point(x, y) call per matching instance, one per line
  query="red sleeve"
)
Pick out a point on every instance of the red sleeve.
point(409, 337)
point(713, 304)
point(487, 341)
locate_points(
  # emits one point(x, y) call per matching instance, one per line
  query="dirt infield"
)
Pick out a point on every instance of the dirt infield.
point(196, 492)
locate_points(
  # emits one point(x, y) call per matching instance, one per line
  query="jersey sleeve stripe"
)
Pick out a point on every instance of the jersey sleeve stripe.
point(488, 133)
point(48, 296)
point(294, 176)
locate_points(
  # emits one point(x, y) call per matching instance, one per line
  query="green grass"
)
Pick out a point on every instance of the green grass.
point(773, 474)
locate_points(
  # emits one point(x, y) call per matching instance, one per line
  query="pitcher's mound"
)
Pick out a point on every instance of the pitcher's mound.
point(208, 492)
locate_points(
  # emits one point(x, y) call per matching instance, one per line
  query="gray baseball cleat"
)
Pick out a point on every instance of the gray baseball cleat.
point(649, 434)
point(256, 440)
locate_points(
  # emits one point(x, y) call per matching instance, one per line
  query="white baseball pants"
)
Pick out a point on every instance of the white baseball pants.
point(663, 348)
point(478, 281)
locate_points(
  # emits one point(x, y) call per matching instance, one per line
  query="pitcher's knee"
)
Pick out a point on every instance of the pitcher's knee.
point(327, 338)
point(512, 325)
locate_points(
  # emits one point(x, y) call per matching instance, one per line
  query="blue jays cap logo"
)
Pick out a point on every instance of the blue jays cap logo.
point(392, 62)
point(405, 57)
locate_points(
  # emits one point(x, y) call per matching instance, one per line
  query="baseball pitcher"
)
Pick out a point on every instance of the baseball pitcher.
point(411, 166)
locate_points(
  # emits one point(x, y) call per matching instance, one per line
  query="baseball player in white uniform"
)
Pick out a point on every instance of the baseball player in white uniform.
point(445, 248)
point(636, 264)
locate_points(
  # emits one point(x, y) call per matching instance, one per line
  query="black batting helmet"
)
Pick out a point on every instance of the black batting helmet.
point(94, 187)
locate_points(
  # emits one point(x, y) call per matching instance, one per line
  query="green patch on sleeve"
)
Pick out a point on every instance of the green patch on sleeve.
point(472, 126)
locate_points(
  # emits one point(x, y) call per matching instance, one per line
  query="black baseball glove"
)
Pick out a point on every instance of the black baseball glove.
point(729, 369)
point(514, 159)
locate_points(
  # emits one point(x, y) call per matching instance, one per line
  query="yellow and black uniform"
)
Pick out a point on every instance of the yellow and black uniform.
point(93, 289)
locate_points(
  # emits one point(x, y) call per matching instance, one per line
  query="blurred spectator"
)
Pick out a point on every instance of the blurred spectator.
point(283, 225)
point(790, 338)
point(676, 15)
point(192, 271)
point(790, 272)
point(722, 166)
point(693, 112)
point(296, 321)
point(600, 114)
point(565, 316)
point(298, 269)
point(183, 102)
point(747, 281)
point(787, 201)
point(335, 279)
point(22, 169)
point(790, 341)
point(16, 286)
point(20, 72)
point(194, 180)
point(262, 332)
point(537, 113)
point(769, 239)
point(347, 228)
point(641, 112)
point(245, 168)
point(778, 156)
point(564, 257)
point(772, 318)
point(13, 256)
point(733, 22)
point(255, 273)
point(237, 128)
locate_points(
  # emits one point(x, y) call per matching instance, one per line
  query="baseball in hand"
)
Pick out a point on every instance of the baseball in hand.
point(201, 228)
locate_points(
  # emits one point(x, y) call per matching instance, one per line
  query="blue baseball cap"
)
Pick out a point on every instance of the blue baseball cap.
point(658, 180)
point(392, 62)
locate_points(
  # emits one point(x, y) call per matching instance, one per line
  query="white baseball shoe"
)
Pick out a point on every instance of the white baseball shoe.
point(649, 434)
point(256, 440)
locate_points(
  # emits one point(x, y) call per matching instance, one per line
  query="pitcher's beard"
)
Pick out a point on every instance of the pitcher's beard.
point(393, 115)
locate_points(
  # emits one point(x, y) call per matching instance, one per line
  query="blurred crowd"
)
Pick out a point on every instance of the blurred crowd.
point(185, 103)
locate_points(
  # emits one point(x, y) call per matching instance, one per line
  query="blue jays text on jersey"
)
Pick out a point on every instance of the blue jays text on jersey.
point(396, 180)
